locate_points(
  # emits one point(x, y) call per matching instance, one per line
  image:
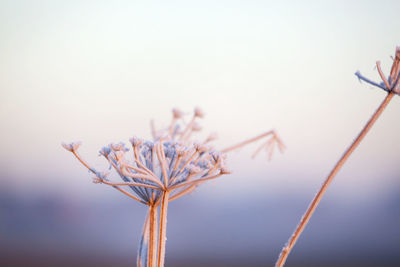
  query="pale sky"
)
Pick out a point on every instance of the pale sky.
point(98, 71)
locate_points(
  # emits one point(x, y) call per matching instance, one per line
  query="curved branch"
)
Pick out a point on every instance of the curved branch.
point(83, 162)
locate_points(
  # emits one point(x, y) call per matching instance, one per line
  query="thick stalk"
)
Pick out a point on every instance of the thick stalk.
point(152, 237)
point(314, 203)
point(163, 229)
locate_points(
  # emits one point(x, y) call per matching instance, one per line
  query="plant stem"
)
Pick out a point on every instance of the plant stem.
point(314, 203)
point(228, 149)
point(163, 229)
point(143, 245)
point(152, 236)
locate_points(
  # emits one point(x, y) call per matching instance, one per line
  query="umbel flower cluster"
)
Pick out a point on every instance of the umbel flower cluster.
point(162, 170)
point(158, 166)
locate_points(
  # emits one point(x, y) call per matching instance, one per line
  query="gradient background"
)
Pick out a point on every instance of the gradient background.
point(98, 71)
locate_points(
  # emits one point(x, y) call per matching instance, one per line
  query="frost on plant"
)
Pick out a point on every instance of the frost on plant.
point(164, 169)
point(391, 86)
point(391, 83)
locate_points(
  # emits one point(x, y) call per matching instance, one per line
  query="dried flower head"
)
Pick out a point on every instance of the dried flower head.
point(167, 168)
point(391, 83)
point(71, 146)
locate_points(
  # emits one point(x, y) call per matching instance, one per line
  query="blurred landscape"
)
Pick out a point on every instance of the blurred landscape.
point(50, 230)
point(98, 71)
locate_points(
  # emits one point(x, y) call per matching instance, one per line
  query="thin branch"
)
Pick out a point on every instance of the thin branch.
point(314, 203)
point(360, 77)
point(185, 164)
point(188, 127)
point(162, 163)
point(83, 162)
point(185, 191)
point(396, 83)
point(128, 166)
point(146, 177)
point(177, 161)
point(114, 186)
point(171, 127)
point(141, 165)
point(396, 64)
point(266, 145)
point(378, 67)
point(143, 243)
point(130, 195)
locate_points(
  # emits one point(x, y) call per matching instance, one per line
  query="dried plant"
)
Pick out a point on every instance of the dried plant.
point(167, 168)
point(391, 86)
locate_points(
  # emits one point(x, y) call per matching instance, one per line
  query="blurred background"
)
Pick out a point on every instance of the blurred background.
point(98, 71)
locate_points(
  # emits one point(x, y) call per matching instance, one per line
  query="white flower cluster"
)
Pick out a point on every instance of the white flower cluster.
point(178, 130)
point(172, 163)
point(165, 169)
point(159, 166)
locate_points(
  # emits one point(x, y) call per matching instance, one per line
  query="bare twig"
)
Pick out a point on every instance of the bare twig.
point(390, 87)
point(314, 203)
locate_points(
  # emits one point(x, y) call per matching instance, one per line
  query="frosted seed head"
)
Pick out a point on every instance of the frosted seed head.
point(215, 156)
point(193, 169)
point(71, 146)
point(176, 143)
point(118, 147)
point(180, 150)
point(148, 144)
point(205, 164)
point(135, 141)
point(100, 177)
point(169, 152)
point(105, 151)
point(200, 148)
point(119, 156)
point(177, 113)
point(198, 112)
point(67, 146)
point(76, 145)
